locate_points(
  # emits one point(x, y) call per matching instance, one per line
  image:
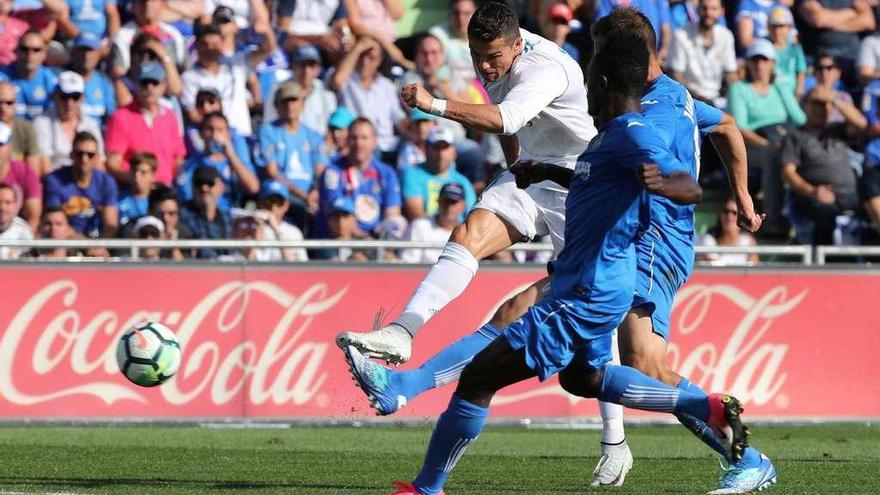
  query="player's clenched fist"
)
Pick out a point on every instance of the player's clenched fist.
point(528, 172)
point(649, 175)
point(415, 96)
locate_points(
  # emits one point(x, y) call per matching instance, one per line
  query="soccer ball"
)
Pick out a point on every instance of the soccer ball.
point(148, 354)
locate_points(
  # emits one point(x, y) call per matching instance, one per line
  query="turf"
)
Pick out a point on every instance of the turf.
point(190, 460)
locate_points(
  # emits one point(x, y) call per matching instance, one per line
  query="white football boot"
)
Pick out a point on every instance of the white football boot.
point(615, 463)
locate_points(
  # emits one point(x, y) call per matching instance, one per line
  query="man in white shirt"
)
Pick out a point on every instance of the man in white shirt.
point(436, 228)
point(12, 227)
point(147, 15)
point(540, 106)
point(703, 55)
point(227, 75)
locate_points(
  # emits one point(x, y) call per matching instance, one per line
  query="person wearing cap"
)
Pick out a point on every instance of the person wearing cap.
point(293, 153)
point(93, 17)
point(35, 81)
point(764, 114)
point(320, 101)
point(791, 65)
point(372, 185)
point(342, 225)
point(146, 124)
point(145, 47)
point(22, 178)
point(557, 27)
point(11, 29)
point(274, 203)
point(337, 131)
point(422, 184)
point(657, 11)
point(87, 194)
point(147, 18)
point(751, 20)
point(100, 95)
point(151, 228)
point(202, 215)
point(228, 75)
point(415, 142)
point(57, 127)
point(230, 157)
point(703, 55)
point(450, 207)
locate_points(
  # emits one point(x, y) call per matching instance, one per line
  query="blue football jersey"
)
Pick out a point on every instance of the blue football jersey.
point(603, 213)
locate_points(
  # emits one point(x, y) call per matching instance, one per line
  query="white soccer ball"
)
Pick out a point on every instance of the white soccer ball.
point(148, 354)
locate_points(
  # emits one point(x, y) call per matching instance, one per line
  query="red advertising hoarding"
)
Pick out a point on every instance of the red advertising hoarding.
point(258, 342)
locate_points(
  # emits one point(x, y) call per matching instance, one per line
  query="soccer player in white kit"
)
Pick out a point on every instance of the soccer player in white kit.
point(540, 108)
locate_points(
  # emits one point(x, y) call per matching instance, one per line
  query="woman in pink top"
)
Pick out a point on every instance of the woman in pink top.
point(11, 29)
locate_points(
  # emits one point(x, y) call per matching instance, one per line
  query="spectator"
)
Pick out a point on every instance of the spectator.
point(54, 225)
point(320, 101)
point(368, 93)
point(94, 17)
point(100, 97)
point(274, 203)
point(147, 19)
point(183, 14)
point(816, 167)
point(244, 13)
point(164, 206)
point(11, 29)
point(375, 18)
point(453, 35)
point(657, 11)
point(24, 181)
point(703, 55)
point(765, 114)
point(151, 228)
point(134, 202)
point(292, 153)
point(791, 65)
point(320, 23)
point(146, 124)
point(371, 185)
point(201, 215)
point(40, 15)
point(62, 122)
point(231, 160)
point(869, 58)
point(727, 233)
point(146, 48)
point(207, 101)
point(87, 195)
point(683, 13)
point(337, 135)
point(557, 27)
point(342, 225)
point(436, 228)
point(227, 75)
point(24, 139)
point(752, 18)
point(412, 149)
point(34, 81)
point(827, 73)
point(244, 228)
point(422, 184)
point(833, 27)
point(12, 227)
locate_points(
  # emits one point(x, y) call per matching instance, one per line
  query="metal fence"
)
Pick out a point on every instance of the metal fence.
point(804, 255)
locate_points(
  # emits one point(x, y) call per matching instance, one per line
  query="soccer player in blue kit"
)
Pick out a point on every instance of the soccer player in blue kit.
point(570, 330)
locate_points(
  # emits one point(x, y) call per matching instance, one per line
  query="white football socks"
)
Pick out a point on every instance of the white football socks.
point(612, 414)
point(446, 280)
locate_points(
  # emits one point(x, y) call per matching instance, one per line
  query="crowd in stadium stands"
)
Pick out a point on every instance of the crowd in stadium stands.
point(281, 119)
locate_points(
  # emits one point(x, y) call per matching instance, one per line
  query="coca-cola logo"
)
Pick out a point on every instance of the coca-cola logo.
point(279, 366)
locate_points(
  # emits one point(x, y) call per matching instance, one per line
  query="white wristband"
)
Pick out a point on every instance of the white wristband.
point(438, 107)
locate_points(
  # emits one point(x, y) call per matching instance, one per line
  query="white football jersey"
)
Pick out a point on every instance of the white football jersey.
point(544, 102)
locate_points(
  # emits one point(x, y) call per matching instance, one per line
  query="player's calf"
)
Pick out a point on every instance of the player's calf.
point(494, 368)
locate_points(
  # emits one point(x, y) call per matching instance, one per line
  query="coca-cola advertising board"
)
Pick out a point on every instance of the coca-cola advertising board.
point(258, 341)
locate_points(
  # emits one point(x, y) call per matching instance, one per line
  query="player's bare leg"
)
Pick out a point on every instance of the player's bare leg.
point(482, 234)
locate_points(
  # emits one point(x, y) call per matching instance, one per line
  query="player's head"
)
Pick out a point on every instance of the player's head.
point(493, 36)
point(627, 22)
point(616, 74)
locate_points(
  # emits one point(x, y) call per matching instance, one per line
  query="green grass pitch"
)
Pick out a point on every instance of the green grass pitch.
point(822, 459)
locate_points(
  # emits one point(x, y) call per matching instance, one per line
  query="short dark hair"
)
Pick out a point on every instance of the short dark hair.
point(626, 22)
point(160, 193)
point(625, 63)
point(363, 120)
point(213, 115)
point(207, 29)
point(83, 136)
point(144, 157)
point(493, 20)
point(29, 32)
point(52, 209)
point(822, 55)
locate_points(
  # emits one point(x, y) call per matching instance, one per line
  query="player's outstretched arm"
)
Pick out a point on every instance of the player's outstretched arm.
point(486, 118)
point(528, 172)
point(679, 187)
point(728, 141)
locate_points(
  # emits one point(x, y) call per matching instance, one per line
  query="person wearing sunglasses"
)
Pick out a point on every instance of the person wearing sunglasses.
point(202, 215)
point(35, 81)
point(65, 118)
point(86, 194)
point(827, 72)
point(725, 232)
